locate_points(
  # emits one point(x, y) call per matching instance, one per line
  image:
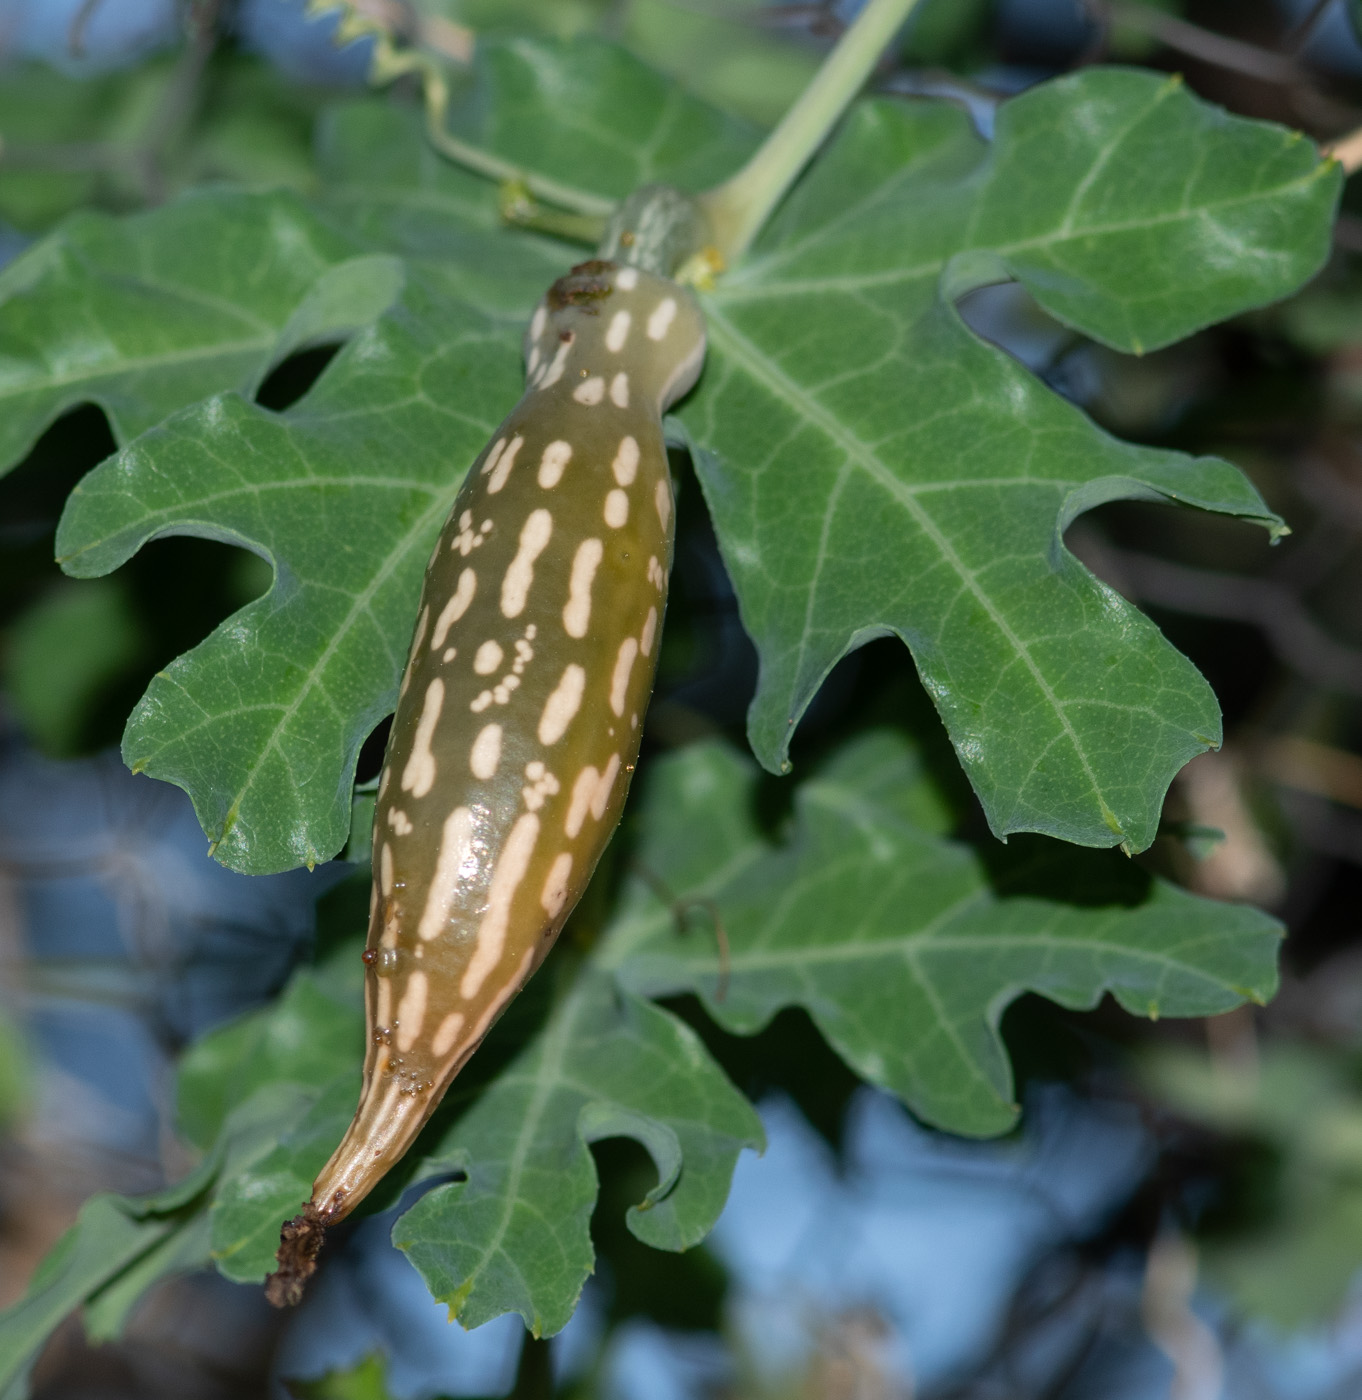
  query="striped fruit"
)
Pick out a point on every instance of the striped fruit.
point(519, 715)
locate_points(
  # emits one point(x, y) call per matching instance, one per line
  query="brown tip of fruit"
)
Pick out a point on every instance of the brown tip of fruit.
point(300, 1241)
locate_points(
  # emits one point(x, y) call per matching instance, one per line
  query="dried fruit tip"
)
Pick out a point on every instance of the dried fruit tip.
point(300, 1241)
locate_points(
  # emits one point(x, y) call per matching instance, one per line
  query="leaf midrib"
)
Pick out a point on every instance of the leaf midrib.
point(913, 946)
point(753, 281)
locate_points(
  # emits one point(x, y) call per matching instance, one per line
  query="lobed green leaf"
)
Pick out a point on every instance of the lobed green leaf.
point(906, 948)
point(145, 314)
point(262, 723)
point(513, 1235)
point(873, 467)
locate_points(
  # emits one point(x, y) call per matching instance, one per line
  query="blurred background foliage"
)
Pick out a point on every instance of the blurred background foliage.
point(1183, 1205)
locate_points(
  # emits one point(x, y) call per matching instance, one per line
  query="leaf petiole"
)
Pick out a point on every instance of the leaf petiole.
point(738, 208)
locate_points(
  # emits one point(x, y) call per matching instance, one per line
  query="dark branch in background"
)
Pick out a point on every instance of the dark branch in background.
point(1335, 497)
point(1322, 827)
point(820, 20)
point(1298, 640)
point(1312, 105)
point(143, 162)
point(1319, 769)
point(1285, 70)
point(1299, 35)
point(1190, 39)
point(181, 97)
point(1348, 233)
point(75, 36)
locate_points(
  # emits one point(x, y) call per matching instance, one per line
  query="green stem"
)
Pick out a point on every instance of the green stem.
point(739, 207)
point(389, 62)
point(483, 163)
